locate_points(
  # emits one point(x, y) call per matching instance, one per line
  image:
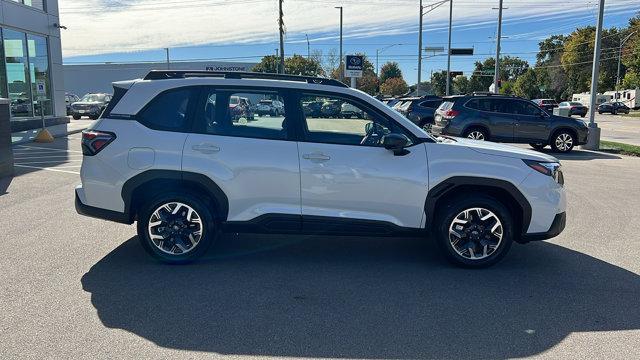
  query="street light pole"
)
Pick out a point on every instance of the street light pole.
point(496, 76)
point(619, 57)
point(419, 52)
point(281, 28)
point(593, 140)
point(449, 49)
point(340, 69)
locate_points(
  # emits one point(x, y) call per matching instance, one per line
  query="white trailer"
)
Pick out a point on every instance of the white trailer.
point(585, 98)
point(629, 97)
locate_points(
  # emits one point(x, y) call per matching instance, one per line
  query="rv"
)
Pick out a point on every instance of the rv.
point(585, 98)
point(629, 97)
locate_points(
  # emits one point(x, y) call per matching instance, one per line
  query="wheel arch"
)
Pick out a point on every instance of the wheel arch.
point(152, 182)
point(502, 190)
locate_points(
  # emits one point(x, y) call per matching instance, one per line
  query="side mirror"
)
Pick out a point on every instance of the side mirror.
point(396, 143)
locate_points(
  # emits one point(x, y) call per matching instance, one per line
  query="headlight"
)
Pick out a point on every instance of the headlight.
point(552, 169)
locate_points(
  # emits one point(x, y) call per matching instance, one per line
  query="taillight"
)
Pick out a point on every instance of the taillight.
point(94, 141)
point(450, 114)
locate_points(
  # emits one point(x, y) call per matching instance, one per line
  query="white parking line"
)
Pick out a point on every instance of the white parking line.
point(48, 169)
point(44, 157)
point(51, 149)
point(48, 162)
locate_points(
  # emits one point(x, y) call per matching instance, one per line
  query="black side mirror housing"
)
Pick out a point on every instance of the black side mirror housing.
point(396, 143)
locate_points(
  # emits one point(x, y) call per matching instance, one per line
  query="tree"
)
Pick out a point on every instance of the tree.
point(300, 65)
point(295, 65)
point(506, 87)
point(631, 50)
point(439, 82)
point(550, 74)
point(631, 80)
point(510, 69)
point(268, 64)
point(527, 85)
point(390, 70)
point(394, 86)
point(460, 84)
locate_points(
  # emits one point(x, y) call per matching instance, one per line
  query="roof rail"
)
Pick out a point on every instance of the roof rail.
point(488, 93)
point(181, 74)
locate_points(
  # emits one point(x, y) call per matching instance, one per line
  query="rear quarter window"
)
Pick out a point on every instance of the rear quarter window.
point(446, 105)
point(169, 110)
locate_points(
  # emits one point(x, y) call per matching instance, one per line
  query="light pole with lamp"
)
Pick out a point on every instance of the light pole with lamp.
point(340, 70)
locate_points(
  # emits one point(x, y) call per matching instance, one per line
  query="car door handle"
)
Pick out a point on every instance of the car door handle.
point(206, 148)
point(316, 157)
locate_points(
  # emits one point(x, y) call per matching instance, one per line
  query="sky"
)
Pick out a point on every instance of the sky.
point(101, 31)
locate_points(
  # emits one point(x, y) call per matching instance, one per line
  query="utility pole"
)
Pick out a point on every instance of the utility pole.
point(449, 49)
point(496, 76)
point(619, 57)
point(168, 61)
point(593, 139)
point(340, 67)
point(308, 47)
point(419, 52)
point(281, 26)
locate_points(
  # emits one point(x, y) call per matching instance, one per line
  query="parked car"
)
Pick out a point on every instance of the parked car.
point(331, 108)
point(240, 109)
point(269, 107)
point(70, 99)
point(312, 108)
point(20, 105)
point(546, 104)
point(613, 108)
point(507, 119)
point(186, 186)
point(348, 111)
point(421, 110)
point(574, 107)
point(90, 105)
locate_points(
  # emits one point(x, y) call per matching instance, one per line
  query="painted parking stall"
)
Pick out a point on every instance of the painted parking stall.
point(41, 157)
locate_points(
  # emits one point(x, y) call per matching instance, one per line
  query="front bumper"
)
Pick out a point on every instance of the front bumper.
point(99, 213)
point(557, 226)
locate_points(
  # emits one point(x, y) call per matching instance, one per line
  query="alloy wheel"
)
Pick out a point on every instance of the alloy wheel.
point(175, 228)
point(476, 135)
point(475, 233)
point(564, 142)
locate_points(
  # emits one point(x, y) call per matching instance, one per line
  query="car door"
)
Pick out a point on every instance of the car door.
point(532, 123)
point(255, 163)
point(348, 179)
point(493, 113)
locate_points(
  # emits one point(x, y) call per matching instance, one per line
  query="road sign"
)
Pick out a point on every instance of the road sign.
point(462, 51)
point(456, 73)
point(354, 66)
point(434, 49)
point(41, 88)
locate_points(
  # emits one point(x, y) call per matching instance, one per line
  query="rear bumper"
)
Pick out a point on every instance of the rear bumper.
point(99, 213)
point(557, 226)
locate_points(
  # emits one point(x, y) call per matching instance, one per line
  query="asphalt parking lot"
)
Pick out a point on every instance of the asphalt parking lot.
point(75, 287)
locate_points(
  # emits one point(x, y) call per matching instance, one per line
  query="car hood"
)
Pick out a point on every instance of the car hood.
point(491, 148)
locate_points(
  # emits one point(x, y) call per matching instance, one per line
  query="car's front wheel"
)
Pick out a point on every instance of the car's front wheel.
point(176, 227)
point(475, 231)
point(563, 141)
point(76, 117)
point(537, 146)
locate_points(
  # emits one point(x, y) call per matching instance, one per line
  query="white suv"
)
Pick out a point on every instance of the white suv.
point(167, 154)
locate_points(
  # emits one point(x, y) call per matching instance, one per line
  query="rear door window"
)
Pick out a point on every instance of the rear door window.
point(169, 111)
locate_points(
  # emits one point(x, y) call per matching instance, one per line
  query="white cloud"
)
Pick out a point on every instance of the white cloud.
point(107, 26)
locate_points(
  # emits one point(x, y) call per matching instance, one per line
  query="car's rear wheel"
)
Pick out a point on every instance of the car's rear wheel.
point(538, 146)
point(475, 231)
point(563, 141)
point(176, 227)
point(477, 134)
point(76, 117)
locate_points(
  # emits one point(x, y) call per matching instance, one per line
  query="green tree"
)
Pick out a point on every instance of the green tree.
point(631, 50)
point(550, 74)
point(295, 65)
point(631, 80)
point(460, 84)
point(510, 69)
point(439, 82)
point(394, 87)
point(390, 70)
point(526, 85)
point(506, 87)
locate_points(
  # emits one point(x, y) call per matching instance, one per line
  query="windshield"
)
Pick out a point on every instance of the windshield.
point(92, 98)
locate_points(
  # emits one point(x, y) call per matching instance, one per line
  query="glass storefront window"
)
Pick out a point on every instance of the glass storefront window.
point(38, 4)
point(39, 74)
point(15, 50)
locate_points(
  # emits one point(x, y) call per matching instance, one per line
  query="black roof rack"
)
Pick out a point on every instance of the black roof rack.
point(488, 93)
point(181, 74)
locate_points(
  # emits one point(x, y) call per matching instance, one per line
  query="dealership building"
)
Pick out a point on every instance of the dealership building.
point(81, 79)
point(31, 62)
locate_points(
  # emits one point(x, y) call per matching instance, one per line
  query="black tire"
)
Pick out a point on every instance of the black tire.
point(477, 130)
point(210, 227)
point(538, 146)
point(470, 201)
point(558, 146)
point(94, 117)
point(76, 117)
